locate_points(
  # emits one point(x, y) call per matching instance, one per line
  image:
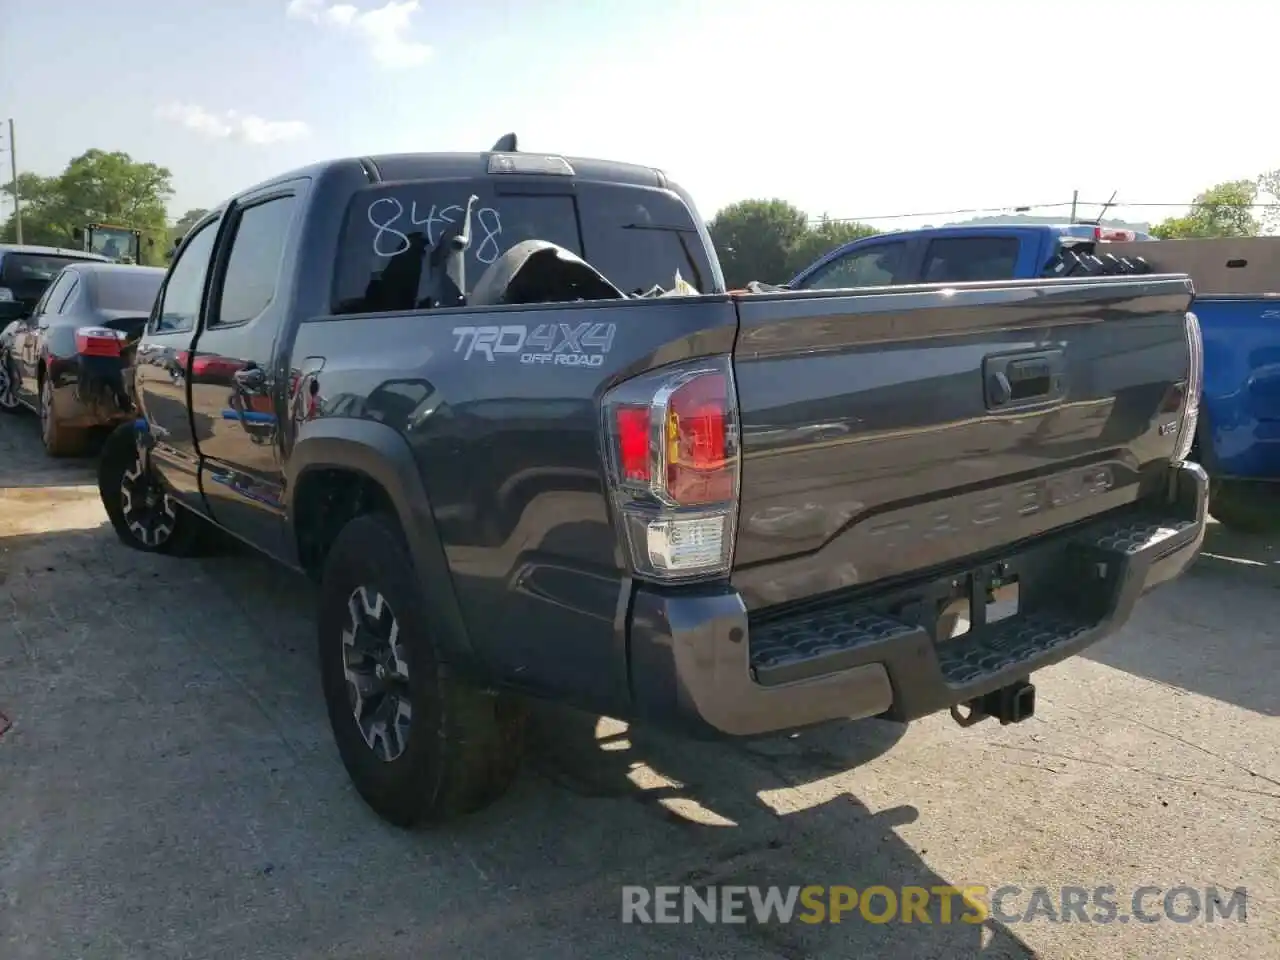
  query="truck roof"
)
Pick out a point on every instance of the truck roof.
point(391, 167)
point(38, 250)
point(1082, 230)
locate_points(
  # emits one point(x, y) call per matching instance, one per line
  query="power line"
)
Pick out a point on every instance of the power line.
point(1188, 204)
point(1014, 209)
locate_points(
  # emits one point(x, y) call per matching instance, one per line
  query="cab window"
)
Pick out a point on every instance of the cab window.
point(183, 293)
point(873, 266)
point(970, 259)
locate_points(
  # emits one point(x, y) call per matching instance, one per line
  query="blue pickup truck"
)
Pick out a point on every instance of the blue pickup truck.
point(955, 255)
point(1237, 304)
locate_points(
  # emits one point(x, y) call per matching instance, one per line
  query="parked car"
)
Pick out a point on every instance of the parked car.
point(64, 361)
point(27, 270)
point(727, 514)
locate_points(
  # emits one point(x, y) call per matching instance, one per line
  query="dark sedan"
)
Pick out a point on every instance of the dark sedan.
point(63, 360)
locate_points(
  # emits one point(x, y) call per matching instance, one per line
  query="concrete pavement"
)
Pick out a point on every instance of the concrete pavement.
point(169, 788)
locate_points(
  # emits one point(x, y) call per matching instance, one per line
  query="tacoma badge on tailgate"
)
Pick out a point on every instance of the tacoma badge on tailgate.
point(958, 515)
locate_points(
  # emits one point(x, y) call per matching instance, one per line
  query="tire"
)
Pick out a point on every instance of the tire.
point(459, 748)
point(143, 516)
point(8, 389)
point(58, 440)
point(1245, 507)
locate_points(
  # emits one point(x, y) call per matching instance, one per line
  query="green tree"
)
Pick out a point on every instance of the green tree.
point(37, 194)
point(754, 239)
point(1269, 186)
point(1224, 210)
point(823, 237)
point(183, 225)
point(96, 187)
point(188, 220)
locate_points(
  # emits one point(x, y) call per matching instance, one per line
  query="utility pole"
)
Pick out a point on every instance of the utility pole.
point(13, 168)
point(1075, 198)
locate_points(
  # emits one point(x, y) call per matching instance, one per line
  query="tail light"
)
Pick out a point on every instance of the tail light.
point(1195, 384)
point(673, 459)
point(99, 342)
point(1113, 234)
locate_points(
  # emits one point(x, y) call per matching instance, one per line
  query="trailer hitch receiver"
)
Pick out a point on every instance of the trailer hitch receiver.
point(1011, 704)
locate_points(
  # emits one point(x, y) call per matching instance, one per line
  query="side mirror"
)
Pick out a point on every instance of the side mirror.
point(77, 234)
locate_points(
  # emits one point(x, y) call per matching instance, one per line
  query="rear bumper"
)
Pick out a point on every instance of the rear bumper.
point(699, 660)
point(89, 392)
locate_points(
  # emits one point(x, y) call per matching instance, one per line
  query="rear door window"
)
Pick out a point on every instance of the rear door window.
point(54, 294)
point(253, 268)
point(68, 301)
point(968, 259)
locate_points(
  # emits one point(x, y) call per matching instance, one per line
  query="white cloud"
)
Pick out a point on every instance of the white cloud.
point(232, 124)
point(384, 31)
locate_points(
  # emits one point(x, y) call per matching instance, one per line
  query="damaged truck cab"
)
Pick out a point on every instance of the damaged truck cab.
point(474, 397)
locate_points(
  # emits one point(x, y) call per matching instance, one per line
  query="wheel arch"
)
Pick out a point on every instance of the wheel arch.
point(373, 466)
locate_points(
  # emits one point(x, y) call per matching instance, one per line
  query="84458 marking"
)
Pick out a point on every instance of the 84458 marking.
point(562, 344)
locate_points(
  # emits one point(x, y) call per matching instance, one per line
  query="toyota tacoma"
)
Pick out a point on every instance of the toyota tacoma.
point(500, 406)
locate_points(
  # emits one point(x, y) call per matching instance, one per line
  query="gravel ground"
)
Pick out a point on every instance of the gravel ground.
point(168, 787)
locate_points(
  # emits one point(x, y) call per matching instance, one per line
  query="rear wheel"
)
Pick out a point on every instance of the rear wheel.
point(143, 515)
point(418, 743)
point(8, 389)
point(1245, 506)
point(59, 440)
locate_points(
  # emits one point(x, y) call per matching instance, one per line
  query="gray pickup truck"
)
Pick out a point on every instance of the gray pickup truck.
point(468, 395)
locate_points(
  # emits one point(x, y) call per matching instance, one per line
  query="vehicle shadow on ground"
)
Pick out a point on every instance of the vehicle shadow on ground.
point(25, 464)
point(194, 684)
point(1177, 635)
point(733, 807)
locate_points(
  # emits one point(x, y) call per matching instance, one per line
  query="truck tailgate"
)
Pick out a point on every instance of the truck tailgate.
point(890, 432)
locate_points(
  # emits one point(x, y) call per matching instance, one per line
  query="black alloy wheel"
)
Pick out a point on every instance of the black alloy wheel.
point(8, 392)
point(377, 674)
point(148, 511)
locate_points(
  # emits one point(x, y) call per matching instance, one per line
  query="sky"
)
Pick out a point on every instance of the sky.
point(855, 109)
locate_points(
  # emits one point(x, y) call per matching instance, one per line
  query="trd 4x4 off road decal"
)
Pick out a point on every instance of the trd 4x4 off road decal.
point(562, 344)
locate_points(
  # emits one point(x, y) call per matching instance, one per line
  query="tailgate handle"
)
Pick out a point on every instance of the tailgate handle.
point(1024, 379)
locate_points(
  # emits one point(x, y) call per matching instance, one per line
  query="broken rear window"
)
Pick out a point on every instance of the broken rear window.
point(636, 237)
